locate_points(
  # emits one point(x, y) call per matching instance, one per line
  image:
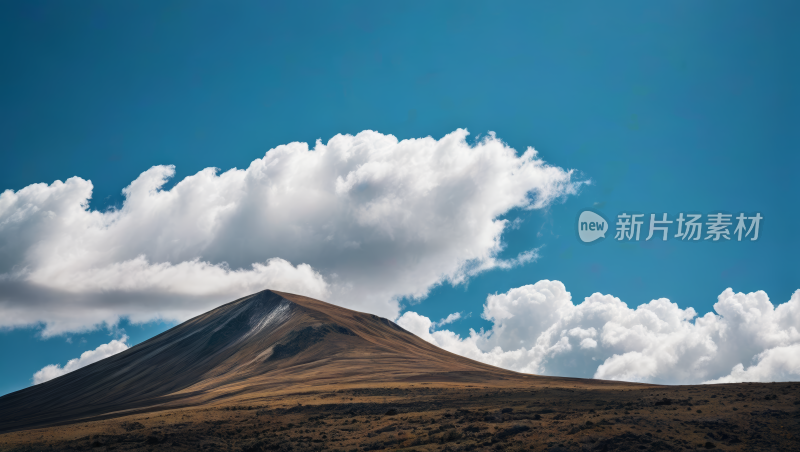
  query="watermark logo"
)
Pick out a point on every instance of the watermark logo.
point(634, 227)
point(591, 226)
point(690, 227)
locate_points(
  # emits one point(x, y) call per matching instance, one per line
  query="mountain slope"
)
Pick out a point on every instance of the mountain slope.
point(268, 342)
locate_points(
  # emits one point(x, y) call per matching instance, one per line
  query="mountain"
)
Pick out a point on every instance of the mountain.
point(269, 342)
point(280, 372)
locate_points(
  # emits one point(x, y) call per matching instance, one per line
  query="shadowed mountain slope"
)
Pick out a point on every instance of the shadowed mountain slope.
point(268, 342)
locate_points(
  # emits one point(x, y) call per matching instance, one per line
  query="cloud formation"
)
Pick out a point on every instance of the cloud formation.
point(51, 371)
point(361, 221)
point(449, 319)
point(537, 329)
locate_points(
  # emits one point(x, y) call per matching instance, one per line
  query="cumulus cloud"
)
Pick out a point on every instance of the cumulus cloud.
point(537, 329)
point(361, 221)
point(51, 371)
point(775, 364)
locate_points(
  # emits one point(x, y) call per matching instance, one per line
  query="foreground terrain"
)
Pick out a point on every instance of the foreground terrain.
point(562, 416)
point(280, 372)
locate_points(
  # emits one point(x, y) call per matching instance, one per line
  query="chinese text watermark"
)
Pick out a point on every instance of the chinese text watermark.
point(690, 227)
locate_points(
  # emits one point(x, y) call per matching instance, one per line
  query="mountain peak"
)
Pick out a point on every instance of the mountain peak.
point(263, 343)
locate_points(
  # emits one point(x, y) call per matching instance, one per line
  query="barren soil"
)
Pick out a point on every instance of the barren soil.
point(559, 416)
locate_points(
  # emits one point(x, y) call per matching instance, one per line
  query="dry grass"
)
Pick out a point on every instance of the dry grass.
point(451, 416)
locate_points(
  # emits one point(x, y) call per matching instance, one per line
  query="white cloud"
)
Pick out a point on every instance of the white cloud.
point(361, 221)
point(449, 319)
point(537, 329)
point(417, 324)
point(51, 371)
point(775, 364)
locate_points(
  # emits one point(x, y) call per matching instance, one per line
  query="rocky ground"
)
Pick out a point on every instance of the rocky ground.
point(452, 417)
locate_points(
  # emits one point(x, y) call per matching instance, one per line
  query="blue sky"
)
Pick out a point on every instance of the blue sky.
point(679, 107)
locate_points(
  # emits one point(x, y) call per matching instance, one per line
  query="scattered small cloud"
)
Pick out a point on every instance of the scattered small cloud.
point(51, 371)
point(449, 319)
